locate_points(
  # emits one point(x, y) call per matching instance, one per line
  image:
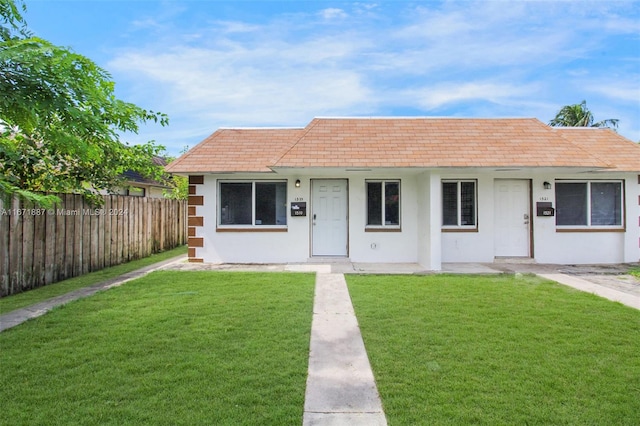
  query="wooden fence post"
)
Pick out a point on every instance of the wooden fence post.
point(26, 280)
point(50, 248)
point(5, 219)
point(39, 243)
point(85, 215)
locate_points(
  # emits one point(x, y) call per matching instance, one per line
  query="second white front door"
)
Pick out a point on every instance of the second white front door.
point(329, 218)
point(512, 218)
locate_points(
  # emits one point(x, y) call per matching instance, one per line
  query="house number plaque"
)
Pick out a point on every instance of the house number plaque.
point(299, 208)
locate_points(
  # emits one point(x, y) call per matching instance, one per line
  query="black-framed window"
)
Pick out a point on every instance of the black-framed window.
point(459, 207)
point(589, 204)
point(383, 203)
point(255, 203)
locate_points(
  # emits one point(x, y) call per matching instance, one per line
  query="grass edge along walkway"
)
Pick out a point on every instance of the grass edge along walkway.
point(498, 350)
point(170, 348)
point(83, 286)
point(33, 296)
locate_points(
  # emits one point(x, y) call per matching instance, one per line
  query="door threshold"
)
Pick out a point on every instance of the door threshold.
point(513, 259)
point(329, 259)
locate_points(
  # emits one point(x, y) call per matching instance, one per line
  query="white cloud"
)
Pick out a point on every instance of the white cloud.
point(616, 89)
point(333, 13)
point(487, 34)
point(384, 58)
point(230, 27)
point(146, 23)
point(224, 87)
point(438, 96)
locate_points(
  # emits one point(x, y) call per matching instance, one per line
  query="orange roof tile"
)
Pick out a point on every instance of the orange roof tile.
point(410, 142)
point(236, 150)
point(438, 142)
point(618, 152)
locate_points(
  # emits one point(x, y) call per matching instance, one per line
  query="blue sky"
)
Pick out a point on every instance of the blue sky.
point(210, 64)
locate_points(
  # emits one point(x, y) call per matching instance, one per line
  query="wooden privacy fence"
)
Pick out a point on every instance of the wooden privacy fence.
point(42, 246)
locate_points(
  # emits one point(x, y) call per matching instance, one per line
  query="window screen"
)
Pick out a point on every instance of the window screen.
point(271, 203)
point(383, 203)
point(571, 203)
point(467, 203)
point(257, 203)
point(459, 203)
point(392, 203)
point(235, 203)
point(374, 203)
point(606, 203)
point(589, 203)
point(450, 203)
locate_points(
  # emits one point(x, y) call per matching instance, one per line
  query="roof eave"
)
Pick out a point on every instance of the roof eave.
point(221, 172)
point(495, 167)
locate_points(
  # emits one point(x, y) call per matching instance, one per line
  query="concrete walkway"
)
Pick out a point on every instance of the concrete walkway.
point(19, 316)
point(341, 389)
point(607, 281)
point(589, 286)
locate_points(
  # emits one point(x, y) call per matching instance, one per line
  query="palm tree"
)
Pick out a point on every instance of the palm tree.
point(578, 115)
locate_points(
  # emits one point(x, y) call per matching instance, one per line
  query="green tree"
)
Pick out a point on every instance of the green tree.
point(579, 115)
point(179, 188)
point(60, 122)
point(179, 184)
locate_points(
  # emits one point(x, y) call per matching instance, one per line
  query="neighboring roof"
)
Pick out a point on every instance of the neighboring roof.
point(412, 143)
point(134, 177)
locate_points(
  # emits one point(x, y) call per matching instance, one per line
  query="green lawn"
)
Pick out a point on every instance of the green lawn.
point(31, 297)
point(498, 350)
point(171, 348)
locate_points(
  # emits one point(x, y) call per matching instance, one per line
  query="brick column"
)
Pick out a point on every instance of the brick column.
point(195, 221)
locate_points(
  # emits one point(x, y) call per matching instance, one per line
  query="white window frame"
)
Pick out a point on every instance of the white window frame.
point(458, 183)
point(252, 225)
point(589, 226)
point(383, 226)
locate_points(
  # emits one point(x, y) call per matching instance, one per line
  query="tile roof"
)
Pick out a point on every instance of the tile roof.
point(620, 153)
point(237, 150)
point(410, 142)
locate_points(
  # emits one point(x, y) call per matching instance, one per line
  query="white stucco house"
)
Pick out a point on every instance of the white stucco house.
point(414, 190)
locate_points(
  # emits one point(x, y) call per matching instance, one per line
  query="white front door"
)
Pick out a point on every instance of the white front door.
point(329, 217)
point(512, 218)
